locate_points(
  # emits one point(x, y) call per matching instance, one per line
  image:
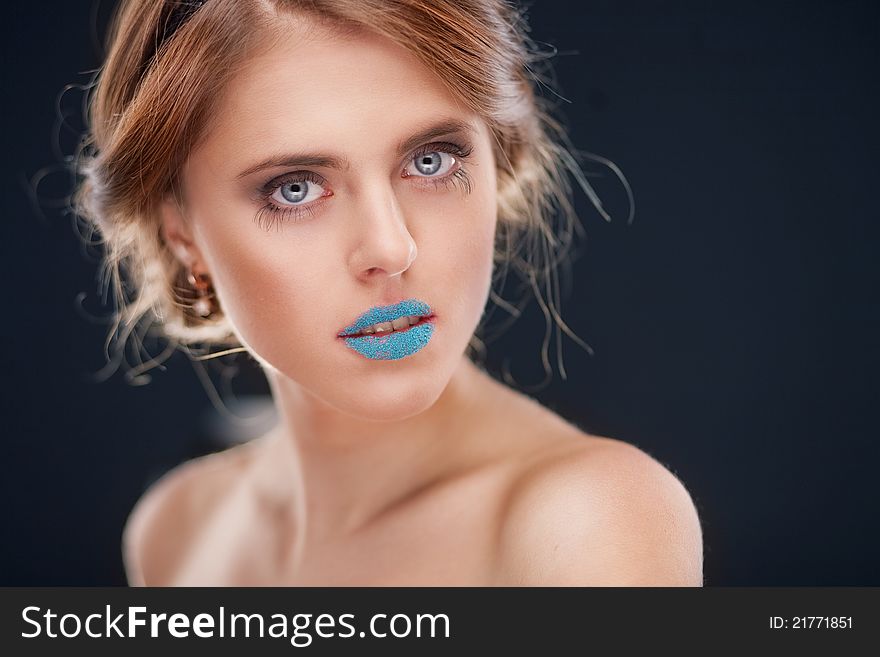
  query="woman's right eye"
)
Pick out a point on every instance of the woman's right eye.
point(297, 192)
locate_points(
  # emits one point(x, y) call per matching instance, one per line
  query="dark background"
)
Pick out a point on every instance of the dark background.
point(734, 322)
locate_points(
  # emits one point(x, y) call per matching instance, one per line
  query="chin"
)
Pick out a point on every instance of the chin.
point(390, 402)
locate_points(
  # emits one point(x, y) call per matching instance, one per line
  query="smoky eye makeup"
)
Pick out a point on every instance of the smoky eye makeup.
point(298, 195)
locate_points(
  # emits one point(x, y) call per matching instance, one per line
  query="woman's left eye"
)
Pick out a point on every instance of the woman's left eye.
point(430, 164)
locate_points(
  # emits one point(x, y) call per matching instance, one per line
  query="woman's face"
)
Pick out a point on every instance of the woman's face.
point(340, 177)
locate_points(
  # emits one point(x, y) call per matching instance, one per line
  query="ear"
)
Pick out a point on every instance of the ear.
point(177, 233)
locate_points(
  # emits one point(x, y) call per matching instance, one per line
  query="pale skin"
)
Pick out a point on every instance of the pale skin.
point(417, 471)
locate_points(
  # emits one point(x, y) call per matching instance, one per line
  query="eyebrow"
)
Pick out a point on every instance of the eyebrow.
point(443, 128)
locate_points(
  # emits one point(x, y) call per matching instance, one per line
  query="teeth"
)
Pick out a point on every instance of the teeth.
point(395, 325)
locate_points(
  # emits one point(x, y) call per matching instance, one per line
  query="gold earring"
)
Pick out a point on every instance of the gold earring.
point(203, 306)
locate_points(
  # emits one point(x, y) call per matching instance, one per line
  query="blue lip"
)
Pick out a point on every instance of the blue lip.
point(395, 344)
point(386, 314)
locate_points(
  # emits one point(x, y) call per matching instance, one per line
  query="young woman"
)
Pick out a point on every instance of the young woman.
point(330, 186)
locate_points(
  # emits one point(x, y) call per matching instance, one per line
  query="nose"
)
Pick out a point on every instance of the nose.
point(385, 247)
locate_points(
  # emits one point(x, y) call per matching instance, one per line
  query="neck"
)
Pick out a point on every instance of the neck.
point(341, 473)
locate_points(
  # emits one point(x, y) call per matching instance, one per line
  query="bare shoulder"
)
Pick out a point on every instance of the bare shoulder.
point(599, 512)
point(167, 518)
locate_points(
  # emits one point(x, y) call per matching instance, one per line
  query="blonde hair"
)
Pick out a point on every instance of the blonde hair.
point(166, 64)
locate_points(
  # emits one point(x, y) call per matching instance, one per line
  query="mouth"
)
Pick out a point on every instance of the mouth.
point(391, 332)
point(383, 320)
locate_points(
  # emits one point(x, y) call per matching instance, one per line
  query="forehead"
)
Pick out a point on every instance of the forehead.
point(312, 88)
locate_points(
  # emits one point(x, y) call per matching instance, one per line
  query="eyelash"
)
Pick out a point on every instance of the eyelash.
point(271, 215)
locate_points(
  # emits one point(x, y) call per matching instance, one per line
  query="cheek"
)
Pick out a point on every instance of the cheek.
point(470, 239)
point(271, 283)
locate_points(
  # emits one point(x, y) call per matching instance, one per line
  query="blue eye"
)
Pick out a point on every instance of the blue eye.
point(430, 163)
point(297, 192)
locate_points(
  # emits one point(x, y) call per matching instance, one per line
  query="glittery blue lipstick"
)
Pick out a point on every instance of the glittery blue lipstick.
point(391, 344)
